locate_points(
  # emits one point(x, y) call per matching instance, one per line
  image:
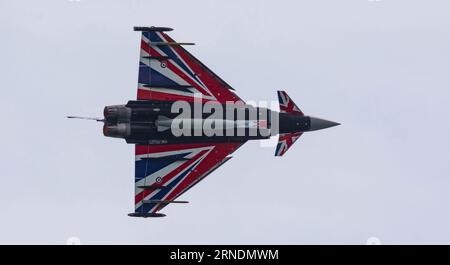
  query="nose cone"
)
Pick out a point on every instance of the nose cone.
point(318, 124)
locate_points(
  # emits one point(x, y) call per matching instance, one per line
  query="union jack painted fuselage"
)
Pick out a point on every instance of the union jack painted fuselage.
point(167, 164)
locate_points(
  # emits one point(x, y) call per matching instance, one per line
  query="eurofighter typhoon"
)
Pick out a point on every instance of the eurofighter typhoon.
point(186, 121)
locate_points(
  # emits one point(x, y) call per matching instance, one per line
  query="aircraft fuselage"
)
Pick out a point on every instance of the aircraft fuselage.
point(156, 122)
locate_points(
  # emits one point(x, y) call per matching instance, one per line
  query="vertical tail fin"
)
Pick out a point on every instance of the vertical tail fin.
point(287, 105)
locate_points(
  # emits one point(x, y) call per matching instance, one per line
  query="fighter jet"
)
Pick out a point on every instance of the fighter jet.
point(187, 121)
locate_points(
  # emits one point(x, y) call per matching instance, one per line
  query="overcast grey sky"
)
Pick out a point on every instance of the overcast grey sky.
point(381, 68)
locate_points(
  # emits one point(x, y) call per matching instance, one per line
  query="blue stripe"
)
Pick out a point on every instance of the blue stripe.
point(144, 74)
point(152, 77)
point(278, 149)
point(146, 167)
point(280, 100)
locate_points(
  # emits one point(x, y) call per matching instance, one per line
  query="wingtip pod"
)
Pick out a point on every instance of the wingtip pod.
point(152, 28)
point(145, 215)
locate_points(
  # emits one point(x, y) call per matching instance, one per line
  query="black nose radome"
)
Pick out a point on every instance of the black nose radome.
point(318, 124)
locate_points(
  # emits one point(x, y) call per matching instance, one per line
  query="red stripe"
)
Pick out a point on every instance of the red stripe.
point(145, 94)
